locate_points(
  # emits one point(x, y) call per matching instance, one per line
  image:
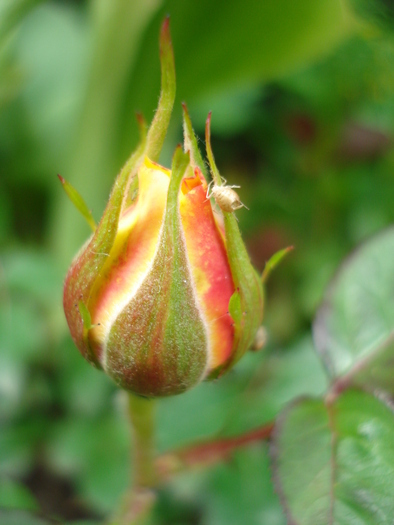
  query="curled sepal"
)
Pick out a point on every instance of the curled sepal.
point(88, 263)
point(273, 262)
point(247, 303)
point(157, 345)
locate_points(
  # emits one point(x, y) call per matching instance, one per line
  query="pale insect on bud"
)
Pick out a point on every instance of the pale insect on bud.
point(226, 198)
point(260, 339)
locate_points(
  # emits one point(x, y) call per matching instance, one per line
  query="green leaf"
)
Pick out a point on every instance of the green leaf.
point(242, 43)
point(354, 327)
point(334, 464)
point(95, 451)
point(14, 495)
point(378, 12)
point(20, 517)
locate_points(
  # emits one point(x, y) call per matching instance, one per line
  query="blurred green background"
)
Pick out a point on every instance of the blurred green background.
point(302, 99)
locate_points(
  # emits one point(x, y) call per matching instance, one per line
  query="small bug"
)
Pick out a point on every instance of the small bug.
point(226, 198)
point(260, 339)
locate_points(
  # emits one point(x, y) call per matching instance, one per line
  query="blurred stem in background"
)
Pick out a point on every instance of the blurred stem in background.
point(117, 28)
point(11, 12)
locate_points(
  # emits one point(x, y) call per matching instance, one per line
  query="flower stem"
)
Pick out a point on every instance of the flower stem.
point(142, 416)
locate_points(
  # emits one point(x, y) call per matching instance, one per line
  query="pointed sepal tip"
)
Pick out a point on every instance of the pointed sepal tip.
point(78, 201)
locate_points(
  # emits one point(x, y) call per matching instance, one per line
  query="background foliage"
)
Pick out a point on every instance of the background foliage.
point(302, 100)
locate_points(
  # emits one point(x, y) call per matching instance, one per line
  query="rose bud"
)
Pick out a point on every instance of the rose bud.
point(163, 295)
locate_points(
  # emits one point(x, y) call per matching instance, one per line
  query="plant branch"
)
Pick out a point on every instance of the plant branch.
point(209, 452)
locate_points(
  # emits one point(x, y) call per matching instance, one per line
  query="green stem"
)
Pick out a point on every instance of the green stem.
point(142, 416)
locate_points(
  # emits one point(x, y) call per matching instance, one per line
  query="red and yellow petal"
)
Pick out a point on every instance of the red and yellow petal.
point(133, 252)
point(210, 270)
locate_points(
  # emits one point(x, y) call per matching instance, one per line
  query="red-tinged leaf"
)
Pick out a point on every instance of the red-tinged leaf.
point(334, 463)
point(354, 327)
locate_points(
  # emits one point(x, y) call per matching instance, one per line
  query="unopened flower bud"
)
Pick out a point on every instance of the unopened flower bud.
point(163, 295)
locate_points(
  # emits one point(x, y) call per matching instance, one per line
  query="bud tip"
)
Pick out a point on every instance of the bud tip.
point(208, 127)
point(165, 35)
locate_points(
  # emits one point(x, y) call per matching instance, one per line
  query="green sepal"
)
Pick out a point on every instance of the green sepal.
point(85, 314)
point(157, 346)
point(78, 201)
point(132, 191)
point(87, 266)
point(161, 120)
point(190, 142)
point(217, 179)
point(235, 308)
point(248, 283)
point(273, 262)
point(248, 310)
point(87, 325)
point(180, 162)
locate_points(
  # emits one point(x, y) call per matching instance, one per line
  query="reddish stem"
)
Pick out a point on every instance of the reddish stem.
point(209, 452)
